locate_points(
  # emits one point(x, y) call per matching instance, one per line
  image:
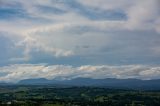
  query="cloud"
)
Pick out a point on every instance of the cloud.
point(14, 73)
point(141, 15)
point(146, 16)
point(93, 30)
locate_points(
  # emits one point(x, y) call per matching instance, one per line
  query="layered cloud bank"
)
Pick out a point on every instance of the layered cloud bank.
point(19, 72)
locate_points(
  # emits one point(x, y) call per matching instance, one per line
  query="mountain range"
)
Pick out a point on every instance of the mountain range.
point(109, 83)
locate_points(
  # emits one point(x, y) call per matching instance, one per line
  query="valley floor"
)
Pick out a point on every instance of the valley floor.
point(39, 95)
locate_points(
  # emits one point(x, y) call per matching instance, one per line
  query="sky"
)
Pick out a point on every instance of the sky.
point(66, 39)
